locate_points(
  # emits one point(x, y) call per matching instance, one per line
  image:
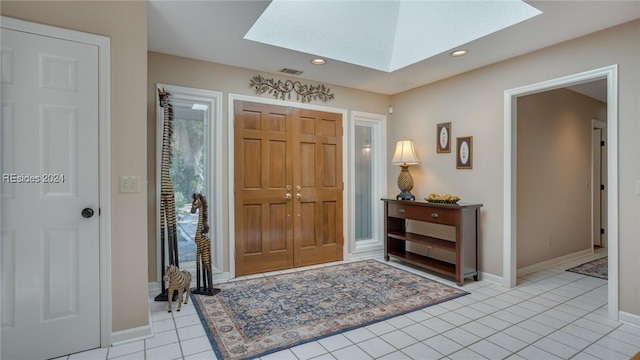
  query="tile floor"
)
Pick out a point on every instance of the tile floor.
point(551, 314)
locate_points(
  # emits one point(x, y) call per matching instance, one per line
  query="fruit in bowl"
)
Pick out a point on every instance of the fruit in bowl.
point(444, 199)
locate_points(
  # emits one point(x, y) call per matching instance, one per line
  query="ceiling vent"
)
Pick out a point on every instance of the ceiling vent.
point(291, 71)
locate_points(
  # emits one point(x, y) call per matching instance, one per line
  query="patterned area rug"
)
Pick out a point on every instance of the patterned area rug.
point(252, 318)
point(596, 268)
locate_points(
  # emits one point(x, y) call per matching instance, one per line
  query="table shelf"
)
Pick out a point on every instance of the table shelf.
point(465, 218)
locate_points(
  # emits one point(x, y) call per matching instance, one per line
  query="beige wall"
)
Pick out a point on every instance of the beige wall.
point(554, 174)
point(126, 24)
point(172, 70)
point(474, 103)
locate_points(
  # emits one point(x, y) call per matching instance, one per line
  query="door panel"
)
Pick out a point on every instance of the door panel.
point(318, 172)
point(264, 236)
point(50, 281)
point(281, 150)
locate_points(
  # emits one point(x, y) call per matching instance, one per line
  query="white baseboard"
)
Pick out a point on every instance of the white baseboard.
point(498, 280)
point(373, 254)
point(133, 334)
point(553, 262)
point(221, 277)
point(628, 318)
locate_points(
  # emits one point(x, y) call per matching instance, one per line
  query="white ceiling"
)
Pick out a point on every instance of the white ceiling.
point(214, 31)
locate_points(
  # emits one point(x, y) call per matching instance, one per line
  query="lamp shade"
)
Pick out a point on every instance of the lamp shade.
point(405, 153)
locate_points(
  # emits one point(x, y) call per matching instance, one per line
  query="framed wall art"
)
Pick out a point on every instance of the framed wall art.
point(464, 157)
point(444, 138)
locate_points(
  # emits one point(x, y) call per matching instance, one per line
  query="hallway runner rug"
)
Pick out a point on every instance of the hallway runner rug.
point(255, 317)
point(596, 268)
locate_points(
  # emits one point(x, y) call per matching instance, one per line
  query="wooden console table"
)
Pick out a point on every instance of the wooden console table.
point(464, 217)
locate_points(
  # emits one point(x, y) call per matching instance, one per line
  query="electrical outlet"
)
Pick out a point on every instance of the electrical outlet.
point(129, 184)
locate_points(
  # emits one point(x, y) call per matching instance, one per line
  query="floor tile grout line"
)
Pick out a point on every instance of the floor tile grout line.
point(530, 318)
point(551, 276)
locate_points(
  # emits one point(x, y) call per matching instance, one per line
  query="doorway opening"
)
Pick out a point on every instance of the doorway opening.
point(510, 225)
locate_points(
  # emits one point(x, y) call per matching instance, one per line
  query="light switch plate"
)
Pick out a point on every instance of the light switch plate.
point(129, 184)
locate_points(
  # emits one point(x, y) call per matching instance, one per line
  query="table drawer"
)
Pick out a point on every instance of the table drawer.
point(423, 213)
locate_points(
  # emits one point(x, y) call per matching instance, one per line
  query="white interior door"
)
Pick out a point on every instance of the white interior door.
point(50, 252)
point(596, 182)
point(599, 182)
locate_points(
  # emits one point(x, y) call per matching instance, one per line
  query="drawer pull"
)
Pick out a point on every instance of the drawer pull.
point(401, 211)
point(434, 215)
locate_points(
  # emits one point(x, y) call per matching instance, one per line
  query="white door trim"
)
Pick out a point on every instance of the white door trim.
point(378, 123)
point(346, 194)
point(104, 128)
point(610, 73)
point(214, 148)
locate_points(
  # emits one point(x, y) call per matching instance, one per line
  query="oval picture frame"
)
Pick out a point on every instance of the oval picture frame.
point(443, 138)
point(464, 149)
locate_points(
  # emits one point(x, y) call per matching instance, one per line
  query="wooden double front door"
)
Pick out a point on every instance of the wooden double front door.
point(288, 187)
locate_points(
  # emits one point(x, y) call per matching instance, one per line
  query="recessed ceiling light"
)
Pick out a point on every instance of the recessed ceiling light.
point(318, 61)
point(459, 53)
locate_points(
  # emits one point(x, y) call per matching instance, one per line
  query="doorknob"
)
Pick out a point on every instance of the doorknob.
point(287, 196)
point(298, 188)
point(87, 213)
point(299, 196)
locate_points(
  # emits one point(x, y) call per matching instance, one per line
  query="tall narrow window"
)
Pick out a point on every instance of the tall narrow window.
point(368, 182)
point(188, 173)
point(363, 183)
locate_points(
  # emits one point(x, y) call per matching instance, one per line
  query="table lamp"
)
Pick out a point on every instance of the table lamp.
point(405, 156)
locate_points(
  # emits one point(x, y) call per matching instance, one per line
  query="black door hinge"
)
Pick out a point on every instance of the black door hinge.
point(601, 142)
point(601, 187)
point(601, 231)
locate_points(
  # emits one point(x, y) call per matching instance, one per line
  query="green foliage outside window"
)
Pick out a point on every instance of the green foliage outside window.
point(187, 163)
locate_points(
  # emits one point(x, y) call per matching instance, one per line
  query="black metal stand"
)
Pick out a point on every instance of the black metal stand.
point(206, 292)
point(173, 259)
point(207, 283)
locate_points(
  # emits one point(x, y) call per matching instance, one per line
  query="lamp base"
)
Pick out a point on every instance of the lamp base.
point(405, 195)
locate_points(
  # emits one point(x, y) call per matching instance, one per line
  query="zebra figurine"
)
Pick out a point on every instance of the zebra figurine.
point(178, 280)
point(203, 244)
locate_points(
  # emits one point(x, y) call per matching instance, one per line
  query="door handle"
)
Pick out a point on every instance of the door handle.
point(287, 196)
point(299, 196)
point(87, 213)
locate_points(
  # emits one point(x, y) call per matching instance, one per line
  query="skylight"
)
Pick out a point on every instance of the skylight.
point(383, 35)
